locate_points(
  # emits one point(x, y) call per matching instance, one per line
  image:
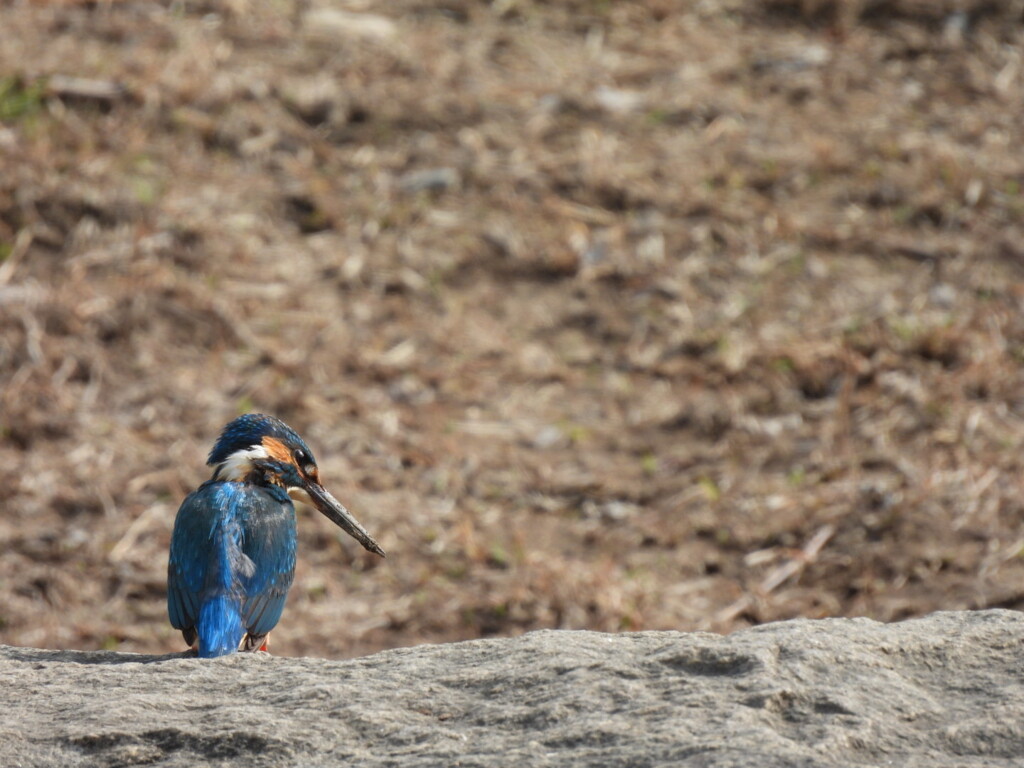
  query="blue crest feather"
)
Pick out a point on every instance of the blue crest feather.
point(249, 430)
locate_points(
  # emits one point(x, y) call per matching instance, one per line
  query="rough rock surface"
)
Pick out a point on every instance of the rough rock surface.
point(945, 690)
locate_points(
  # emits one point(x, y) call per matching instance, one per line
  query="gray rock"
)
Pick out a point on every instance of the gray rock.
point(945, 690)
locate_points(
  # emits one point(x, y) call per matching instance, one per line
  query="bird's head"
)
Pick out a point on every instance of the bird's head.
point(270, 449)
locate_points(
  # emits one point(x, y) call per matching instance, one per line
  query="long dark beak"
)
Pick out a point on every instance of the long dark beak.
point(335, 511)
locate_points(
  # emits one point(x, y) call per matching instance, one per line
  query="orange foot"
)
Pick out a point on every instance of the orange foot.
point(266, 645)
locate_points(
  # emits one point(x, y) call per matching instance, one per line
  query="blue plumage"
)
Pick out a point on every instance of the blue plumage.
point(249, 430)
point(231, 564)
point(232, 556)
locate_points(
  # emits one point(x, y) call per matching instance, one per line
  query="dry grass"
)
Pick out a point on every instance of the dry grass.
point(628, 315)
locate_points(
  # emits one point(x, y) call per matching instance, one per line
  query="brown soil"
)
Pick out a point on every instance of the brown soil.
point(609, 315)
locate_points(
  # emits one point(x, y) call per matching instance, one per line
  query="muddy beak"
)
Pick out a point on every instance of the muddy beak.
point(336, 513)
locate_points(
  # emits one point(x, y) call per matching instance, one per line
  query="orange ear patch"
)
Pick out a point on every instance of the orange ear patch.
point(277, 450)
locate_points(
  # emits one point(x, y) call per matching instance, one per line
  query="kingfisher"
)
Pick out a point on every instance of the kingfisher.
point(232, 555)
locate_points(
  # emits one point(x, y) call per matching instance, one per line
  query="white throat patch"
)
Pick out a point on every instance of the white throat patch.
point(237, 466)
point(300, 494)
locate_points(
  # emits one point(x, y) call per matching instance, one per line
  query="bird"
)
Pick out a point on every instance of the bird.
point(232, 554)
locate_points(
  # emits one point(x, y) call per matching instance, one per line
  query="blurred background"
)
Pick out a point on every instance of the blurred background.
point(598, 314)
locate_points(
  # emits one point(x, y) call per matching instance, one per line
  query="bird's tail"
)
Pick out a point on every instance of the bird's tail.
point(220, 626)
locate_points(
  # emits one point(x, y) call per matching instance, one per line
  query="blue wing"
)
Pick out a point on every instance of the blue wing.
point(191, 552)
point(232, 540)
point(269, 543)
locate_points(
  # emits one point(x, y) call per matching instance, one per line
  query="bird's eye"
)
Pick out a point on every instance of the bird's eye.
point(299, 456)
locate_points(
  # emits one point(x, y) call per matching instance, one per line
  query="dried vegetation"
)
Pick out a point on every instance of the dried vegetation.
point(610, 315)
